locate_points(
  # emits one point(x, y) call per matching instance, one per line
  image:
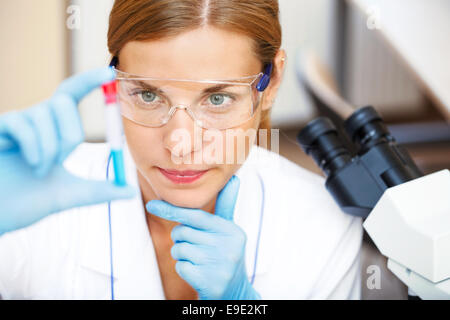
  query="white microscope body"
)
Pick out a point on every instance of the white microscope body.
point(371, 176)
point(410, 225)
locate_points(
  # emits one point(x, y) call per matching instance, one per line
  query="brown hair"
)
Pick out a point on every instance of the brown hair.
point(141, 20)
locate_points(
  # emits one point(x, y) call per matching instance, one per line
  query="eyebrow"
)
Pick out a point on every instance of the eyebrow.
point(216, 88)
point(145, 85)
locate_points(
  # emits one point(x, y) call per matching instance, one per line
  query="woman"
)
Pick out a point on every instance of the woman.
point(213, 229)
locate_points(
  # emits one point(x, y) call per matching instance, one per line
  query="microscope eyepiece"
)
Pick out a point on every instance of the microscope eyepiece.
point(315, 129)
point(320, 140)
point(358, 179)
point(365, 128)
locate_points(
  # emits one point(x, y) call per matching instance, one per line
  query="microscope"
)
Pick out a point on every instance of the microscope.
point(405, 213)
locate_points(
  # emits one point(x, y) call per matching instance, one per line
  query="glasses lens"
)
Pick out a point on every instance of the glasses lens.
point(143, 103)
point(217, 105)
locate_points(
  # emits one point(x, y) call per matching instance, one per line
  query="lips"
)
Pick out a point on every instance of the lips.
point(185, 176)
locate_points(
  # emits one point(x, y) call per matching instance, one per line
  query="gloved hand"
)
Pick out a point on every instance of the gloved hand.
point(33, 146)
point(210, 249)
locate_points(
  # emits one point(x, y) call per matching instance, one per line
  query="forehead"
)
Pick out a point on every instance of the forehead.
point(203, 53)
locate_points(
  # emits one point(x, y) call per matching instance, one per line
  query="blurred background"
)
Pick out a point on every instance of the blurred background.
point(342, 55)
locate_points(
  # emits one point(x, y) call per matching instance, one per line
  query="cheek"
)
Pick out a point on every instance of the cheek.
point(228, 149)
point(145, 144)
point(239, 140)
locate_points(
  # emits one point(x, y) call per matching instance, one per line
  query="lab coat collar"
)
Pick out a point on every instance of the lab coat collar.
point(136, 272)
point(249, 213)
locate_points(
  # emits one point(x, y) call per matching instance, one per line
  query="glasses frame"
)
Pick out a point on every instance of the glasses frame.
point(260, 87)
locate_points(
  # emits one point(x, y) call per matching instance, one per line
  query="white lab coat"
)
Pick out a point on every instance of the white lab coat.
point(307, 248)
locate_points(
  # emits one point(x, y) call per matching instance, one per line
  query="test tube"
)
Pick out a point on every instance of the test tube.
point(114, 131)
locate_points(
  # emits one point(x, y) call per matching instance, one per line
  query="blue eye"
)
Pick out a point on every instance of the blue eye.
point(217, 99)
point(147, 96)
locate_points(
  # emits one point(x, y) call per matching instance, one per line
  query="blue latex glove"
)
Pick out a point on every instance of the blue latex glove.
point(33, 146)
point(210, 249)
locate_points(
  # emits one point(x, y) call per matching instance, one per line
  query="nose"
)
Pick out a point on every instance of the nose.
point(182, 136)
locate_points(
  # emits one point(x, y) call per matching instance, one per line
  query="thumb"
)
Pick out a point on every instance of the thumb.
point(226, 200)
point(81, 84)
point(95, 192)
point(6, 144)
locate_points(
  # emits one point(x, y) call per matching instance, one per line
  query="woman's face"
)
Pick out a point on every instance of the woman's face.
point(204, 53)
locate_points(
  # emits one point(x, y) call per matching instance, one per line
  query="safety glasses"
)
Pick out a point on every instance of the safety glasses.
point(212, 104)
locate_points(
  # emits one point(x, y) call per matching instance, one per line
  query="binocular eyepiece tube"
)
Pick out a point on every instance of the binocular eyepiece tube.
point(357, 181)
point(320, 140)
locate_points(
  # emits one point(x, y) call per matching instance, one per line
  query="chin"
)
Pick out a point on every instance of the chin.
point(198, 194)
point(188, 198)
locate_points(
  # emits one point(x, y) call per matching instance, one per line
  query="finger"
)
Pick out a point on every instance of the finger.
point(15, 129)
point(47, 135)
point(68, 124)
point(84, 192)
point(6, 144)
point(226, 200)
point(184, 251)
point(188, 271)
point(191, 217)
point(182, 233)
point(99, 192)
point(80, 85)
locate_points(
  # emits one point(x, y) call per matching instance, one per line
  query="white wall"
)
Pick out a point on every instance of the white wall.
point(374, 74)
point(33, 55)
point(307, 25)
point(89, 50)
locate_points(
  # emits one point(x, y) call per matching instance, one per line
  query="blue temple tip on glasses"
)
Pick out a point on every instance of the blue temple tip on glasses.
point(265, 79)
point(113, 62)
